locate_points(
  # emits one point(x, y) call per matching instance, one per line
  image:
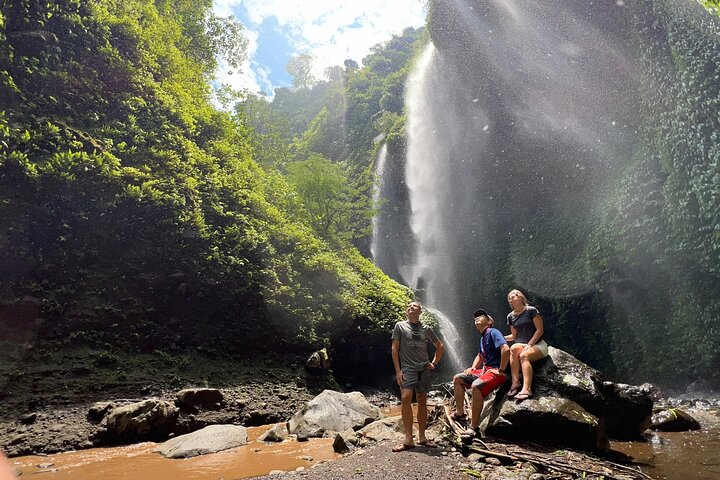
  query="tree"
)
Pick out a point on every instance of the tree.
point(300, 68)
point(350, 65)
point(332, 203)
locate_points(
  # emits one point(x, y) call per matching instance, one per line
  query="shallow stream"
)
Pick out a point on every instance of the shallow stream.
point(665, 456)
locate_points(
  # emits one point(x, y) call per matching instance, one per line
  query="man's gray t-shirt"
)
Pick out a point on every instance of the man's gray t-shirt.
point(413, 344)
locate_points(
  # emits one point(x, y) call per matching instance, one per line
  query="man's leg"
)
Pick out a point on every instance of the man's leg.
point(422, 416)
point(477, 406)
point(459, 390)
point(407, 414)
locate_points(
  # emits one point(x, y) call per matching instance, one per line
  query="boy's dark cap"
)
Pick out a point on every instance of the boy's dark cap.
point(479, 313)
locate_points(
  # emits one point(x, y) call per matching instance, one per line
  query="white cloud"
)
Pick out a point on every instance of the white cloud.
point(322, 28)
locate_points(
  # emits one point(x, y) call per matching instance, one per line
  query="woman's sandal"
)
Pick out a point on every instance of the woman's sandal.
point(513, 392)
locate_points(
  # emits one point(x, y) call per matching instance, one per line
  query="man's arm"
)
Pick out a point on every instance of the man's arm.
point(475, 364)
point(504, 357)
point(439, 351)
point(395, 349)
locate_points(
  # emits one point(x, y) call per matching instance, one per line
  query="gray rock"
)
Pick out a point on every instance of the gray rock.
point(278, 433)
point(211, 439)
point(146, 420)
point(383, 429)
point(29, 418)
point(333, 412)
point(318, 360)
point(199, 397)
point(340, 445)
point(674, 420)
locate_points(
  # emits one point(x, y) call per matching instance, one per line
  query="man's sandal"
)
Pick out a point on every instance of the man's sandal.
point(401, 447)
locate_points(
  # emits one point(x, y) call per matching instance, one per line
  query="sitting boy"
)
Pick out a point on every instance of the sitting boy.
point(493, 355)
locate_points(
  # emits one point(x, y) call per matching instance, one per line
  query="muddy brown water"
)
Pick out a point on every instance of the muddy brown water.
point(666, 456)
point(141, 462)
point(680, 455)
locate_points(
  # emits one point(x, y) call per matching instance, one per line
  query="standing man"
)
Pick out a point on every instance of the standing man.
point(412, 371)
point(493, 355)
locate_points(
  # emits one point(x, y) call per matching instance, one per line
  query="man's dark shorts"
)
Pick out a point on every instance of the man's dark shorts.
point(487, 380)
point(419, 381)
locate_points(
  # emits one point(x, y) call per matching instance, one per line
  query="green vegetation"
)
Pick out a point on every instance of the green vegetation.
point(135, 215)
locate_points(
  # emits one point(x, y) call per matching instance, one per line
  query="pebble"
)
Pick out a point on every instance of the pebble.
point(493, 461)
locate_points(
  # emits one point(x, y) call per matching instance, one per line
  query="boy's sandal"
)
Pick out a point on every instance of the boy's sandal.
point(523, 396)
point(428, 443)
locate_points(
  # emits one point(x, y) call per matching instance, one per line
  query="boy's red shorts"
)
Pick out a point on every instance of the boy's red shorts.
point(487, 380)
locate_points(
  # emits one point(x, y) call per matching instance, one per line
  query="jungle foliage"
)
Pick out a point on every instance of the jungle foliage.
point(134, 213)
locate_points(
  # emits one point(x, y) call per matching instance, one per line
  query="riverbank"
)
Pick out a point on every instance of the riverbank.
point(44, 402)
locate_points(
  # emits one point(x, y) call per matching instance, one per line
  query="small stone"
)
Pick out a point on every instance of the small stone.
point(45, 465)
point(536, 476)
point(29, 418)
point(307, 458)
point(475, 457)
point(276, 472)
point(493, 461)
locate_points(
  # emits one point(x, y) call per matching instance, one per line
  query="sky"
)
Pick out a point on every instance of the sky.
point(330, 30)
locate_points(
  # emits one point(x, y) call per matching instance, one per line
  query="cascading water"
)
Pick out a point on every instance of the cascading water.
point(451, 340)
point(376, 198)
point(435, 196)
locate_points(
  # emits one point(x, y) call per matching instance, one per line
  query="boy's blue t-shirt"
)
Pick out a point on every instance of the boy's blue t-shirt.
point(490, 342)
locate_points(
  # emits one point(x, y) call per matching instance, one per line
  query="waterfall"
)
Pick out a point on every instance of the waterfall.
point(451, 339)
point(376, 199)
point(432, 209)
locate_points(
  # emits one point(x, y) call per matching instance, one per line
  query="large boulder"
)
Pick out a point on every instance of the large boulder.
point(150, 419)
point(564, 375)
point(626, 409)
point(211, 439)
point(549, 419)
point(333, 411)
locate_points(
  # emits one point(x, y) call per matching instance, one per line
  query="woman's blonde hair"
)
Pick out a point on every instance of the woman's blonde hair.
point(519, 293)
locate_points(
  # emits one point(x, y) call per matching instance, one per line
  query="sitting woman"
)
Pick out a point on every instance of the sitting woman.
point(526, 330)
